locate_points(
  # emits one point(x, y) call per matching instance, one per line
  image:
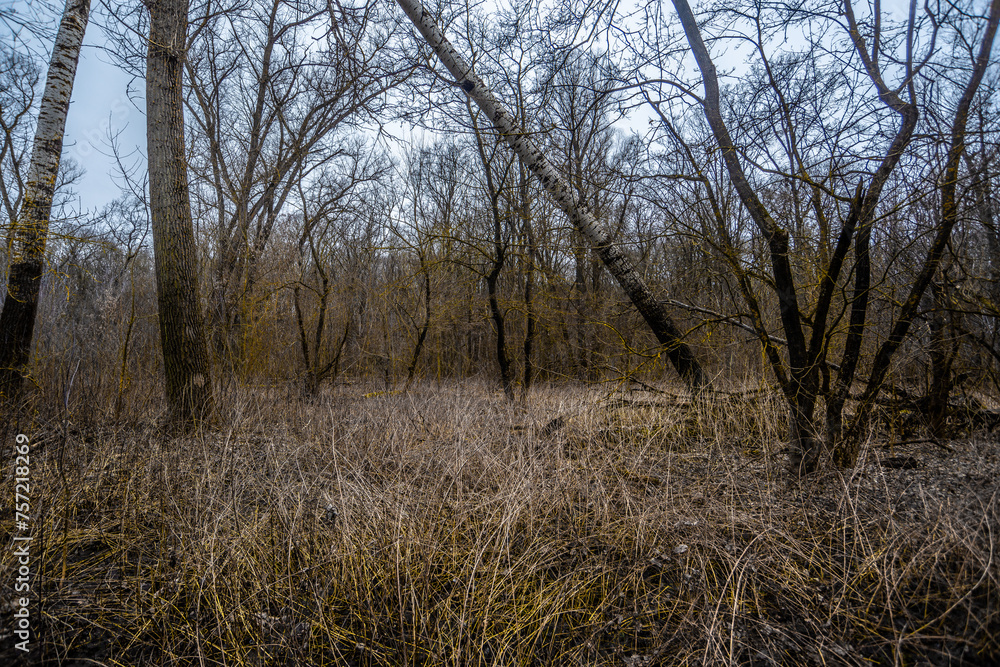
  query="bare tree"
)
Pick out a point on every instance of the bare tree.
point(495, 172)
point(581, 113)
point(807, 351)
point(339, 224)
point(432, 189)
point(19, 76)
point(276, 86)
point(848, 453)
point(26, 247)
point(182, 339)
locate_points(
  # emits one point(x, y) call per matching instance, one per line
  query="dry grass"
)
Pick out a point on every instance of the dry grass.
point(445, 527)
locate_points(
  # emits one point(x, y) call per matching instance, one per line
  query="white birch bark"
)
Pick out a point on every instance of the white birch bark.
point(26, 245)
point(616, 261)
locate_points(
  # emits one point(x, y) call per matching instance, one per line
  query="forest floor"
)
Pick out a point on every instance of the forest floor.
point(447, 527)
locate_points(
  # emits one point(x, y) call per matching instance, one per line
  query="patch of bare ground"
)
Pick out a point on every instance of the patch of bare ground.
point(447, 527)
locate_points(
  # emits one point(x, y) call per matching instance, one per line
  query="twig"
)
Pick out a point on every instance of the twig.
point(917, 441)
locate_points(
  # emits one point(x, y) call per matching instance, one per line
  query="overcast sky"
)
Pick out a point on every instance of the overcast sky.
point(100, 108)
point(100, 104)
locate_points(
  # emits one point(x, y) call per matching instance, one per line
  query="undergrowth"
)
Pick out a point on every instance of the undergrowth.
point(448, 527)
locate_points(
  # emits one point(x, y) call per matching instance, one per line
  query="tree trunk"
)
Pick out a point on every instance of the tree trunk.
point(617, 262)
point(29, 233)
point(182, 337)
point(847, 453)
point(497, 262)
point(944, 344)
point(411, 372)
point(503, 359)
point(529, 284)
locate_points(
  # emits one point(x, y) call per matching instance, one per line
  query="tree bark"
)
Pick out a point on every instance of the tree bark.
point(182, 336)
point(411, 372)
point(524, 210)
point(847, 454)
point(29, 234)
point(601, 240)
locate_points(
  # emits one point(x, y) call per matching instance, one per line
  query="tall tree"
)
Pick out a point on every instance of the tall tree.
point(617, 262)
point(495, 173)
point(26, 244)
point(276, 90)
point(847, 453)
point(182, 338)
point(581, 113)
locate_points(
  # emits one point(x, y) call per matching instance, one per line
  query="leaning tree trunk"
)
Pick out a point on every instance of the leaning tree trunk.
point(616, 261)
point(182, 337)
point(28, 236)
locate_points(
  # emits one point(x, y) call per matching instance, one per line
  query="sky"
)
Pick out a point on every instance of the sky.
point(100, 106)
point(100, 109)
point(107, 102)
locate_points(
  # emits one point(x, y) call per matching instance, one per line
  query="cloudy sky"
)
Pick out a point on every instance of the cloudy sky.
point(108, 102)
point(102, 108)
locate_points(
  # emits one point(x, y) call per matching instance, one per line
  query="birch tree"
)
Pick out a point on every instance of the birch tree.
point(26, 243)
point(617, 262)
